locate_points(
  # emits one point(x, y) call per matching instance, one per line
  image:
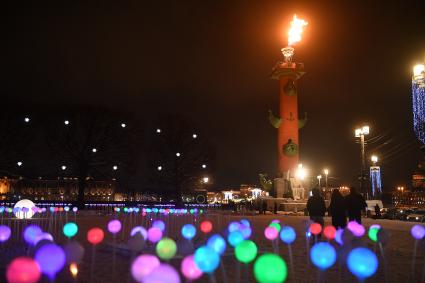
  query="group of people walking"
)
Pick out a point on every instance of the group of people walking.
point(340, 208)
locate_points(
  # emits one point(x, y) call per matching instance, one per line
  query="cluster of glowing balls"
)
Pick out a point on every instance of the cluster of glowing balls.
point(323, 255)
point(143, 266)
point(31, 232)
point(246, 251)
point(114, 226)
point(276, 225)
point(24, 209)
point(206, 259)
point(417, 232)
point(315, 228)
point(362, 263)
point(51, 259)
point(188, 231)
point(95, 236)
point(357, 229)
point(206, 226)
point(329, 232)
point(154, 234)
point(270, 268)
point(163, 273)
point(271, 233)
point(189, 268)
point(23, 270)
point(235, 238)
point(70, 229)
point(217, 244)
point(166, 248)
point(5, 233)
point(288, 235)
point(139, 230)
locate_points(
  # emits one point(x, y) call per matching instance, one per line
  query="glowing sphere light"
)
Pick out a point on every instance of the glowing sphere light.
point(163, 273)
point(189, 269)
point(329, 232)
point(51, 259)
point(288, 235)
point(166, 248)
point(246, 251)
point(154, 234)
point(114, 226)
point(206, 259)
point(159, 224)
point(362, 262)
point(141, 230)
point(338, 236)
point(233, 226)
point(23, 270)
point(5, 233)
point(270, 268)
point(31, 232)
point(271, 233)
point(373, 234)
point(95, 236)
point(235, 238)
point(315, 228)
point(357, 229)
point(24, 209)
point(276, 225)
point(323, 255)
point(417, 232)
point(217, 244)
point(206, 226)
point(70, 229)
point(143, 265)
point(188, 231)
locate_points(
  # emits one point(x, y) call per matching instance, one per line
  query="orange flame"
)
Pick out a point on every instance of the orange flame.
point(297, 26)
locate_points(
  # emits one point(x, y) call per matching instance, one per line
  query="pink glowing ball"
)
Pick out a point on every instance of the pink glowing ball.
point(329, 232)
point(95, 236)
point(163, 273)
point(271, 233)
point(357, 229)
point(154, 234)
point(114, 226)
point(23, 270)
point(189, 268)
point(315, 228)
point(143, 266)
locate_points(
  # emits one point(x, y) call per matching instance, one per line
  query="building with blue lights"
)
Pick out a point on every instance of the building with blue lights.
point(375, 181)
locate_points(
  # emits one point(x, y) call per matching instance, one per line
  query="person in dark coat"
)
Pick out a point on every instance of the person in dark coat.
point(355, 205)
point(316, 207)
point(337, 209)
point(377, 211)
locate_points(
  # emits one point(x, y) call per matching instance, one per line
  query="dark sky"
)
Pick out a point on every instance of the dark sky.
point(211, 60)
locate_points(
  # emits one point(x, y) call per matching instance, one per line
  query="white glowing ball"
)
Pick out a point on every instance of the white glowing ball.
point(22, 213)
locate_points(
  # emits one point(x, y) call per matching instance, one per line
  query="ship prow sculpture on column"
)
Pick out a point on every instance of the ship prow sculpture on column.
point(287, 72)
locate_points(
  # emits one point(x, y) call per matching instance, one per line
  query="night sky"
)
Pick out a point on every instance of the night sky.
point(211, 61)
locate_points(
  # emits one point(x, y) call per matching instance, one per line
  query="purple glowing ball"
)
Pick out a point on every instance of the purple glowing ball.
point(163, 273)
point(143, 266)
point(159, 224)
point(141, 230)
point(233, 226)
point(51, 259)
point(5, 233)
point(114, 226)
point(338, 236)
point(154, 234)
point(189, 268)
point(357, 229)
point(31, 232)
point(418, 232)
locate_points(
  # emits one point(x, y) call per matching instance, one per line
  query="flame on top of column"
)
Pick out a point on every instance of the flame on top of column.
point(297, 26)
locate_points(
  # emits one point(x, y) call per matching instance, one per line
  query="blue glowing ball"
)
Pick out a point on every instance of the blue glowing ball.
point(362, 262)
point(246, 232)
point(233, 226)
point(31, 232)
point(155, 210)
point(217, 244)
point(51, 259)
point(323, 255)
point(159, 224)
point(288, 235)
point(235, 238)
point(206, 259)
point(188, 231)
point(245, 222)
point(338, 236)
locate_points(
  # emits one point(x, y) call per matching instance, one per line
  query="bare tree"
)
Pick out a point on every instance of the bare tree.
point(179, 155)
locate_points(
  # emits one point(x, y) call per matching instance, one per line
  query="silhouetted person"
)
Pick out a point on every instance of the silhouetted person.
point(337, 209)
point(377, 211)
point(264, 207)
point(316, 207)
point(355, 205)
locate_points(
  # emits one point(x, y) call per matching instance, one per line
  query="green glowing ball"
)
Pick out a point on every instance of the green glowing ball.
point(270, 268)
point(276, 225)
point(246, 251)
point(373, 234)
point(70, 229)
point(166, 248)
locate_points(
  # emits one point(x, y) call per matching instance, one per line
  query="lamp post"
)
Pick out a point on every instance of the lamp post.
point(401, 189)
point(326, 171)
point(361, 133)
point(319, 177)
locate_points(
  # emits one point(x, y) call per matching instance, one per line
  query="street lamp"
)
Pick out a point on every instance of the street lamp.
point(158, 131)
point(204, 166)
point(301, 172)
point(63, 167)
point(319, 177)
point(19, 163)
point(94, 150)
point(401, 189)
point(194, 136)
point(374, 159)
point(326, 171)
point(115, 167)
point(361, 133)
point(66, 122)
point(159, 168)
point(27, 119)
point(123, 125)
point(205, 180)
point(178, 154)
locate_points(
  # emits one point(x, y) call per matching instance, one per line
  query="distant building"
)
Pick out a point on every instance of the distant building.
point(245, 192)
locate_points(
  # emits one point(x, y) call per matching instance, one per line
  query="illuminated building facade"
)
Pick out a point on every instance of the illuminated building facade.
point(375, 181)
point(418, 101)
